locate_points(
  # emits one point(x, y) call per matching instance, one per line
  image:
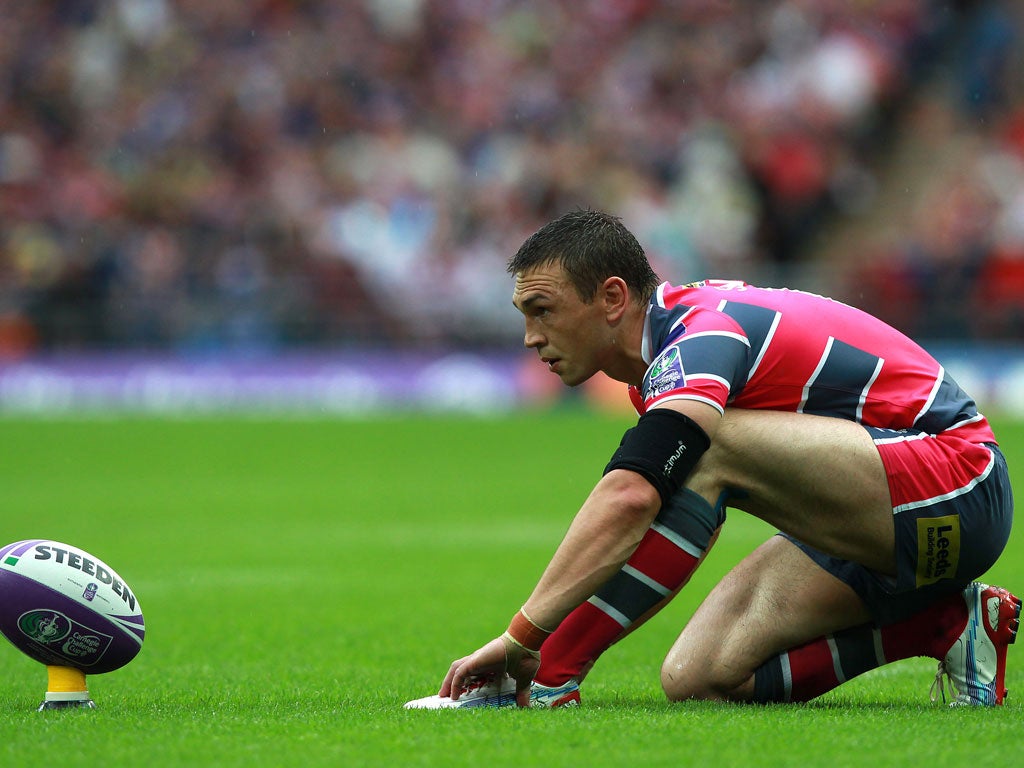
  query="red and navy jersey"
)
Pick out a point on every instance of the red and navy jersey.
point(727, 343)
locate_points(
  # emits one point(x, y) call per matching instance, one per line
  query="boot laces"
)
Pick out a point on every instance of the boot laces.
point(944, 682)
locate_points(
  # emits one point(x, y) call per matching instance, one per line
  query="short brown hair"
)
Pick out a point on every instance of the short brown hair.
point(590, 246)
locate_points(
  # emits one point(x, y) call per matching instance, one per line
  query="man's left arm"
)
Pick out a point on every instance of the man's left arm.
point(654, 459)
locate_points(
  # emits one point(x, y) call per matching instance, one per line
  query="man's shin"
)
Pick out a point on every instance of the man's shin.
point(662, 564)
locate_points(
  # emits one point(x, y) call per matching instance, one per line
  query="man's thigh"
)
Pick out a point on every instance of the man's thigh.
point(819, 479)
point(952, 509)
point(774, 599)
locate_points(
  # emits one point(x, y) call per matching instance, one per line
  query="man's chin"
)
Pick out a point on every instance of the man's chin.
point(573, 381)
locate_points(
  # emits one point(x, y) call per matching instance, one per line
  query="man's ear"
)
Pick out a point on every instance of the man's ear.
point(615, 295)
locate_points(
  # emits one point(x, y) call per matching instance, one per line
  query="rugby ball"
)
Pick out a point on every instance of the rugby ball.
point(64, 607)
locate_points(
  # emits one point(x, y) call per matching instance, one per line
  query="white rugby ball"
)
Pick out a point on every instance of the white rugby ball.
point(65, 607)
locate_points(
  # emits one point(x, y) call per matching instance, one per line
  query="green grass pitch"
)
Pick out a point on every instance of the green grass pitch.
point(301, 579)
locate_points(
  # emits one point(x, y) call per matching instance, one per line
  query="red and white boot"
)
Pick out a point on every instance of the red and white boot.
point(975, 664)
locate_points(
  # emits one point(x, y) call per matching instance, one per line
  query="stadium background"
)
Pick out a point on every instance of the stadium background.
point(309, 204)
point(306, 207)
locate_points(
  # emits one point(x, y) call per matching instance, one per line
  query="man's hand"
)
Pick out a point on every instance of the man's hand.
point(500, 656)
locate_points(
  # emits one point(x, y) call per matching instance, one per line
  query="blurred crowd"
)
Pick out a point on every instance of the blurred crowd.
point(251, 175)
point(953, 267)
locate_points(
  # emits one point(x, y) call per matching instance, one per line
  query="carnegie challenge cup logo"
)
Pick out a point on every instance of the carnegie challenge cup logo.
point(44, 626)
point(666, 373)
point(64, 638)
point(938, 548)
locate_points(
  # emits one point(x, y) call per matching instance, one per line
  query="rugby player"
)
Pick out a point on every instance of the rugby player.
point(884, 480)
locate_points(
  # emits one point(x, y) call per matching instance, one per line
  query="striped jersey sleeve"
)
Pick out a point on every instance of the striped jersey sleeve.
point(727, 343)
point(707, 361)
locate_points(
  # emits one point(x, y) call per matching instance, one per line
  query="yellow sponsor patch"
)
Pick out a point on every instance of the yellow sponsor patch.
point(938, 548)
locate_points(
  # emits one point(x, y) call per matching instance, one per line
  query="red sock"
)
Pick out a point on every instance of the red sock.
point(576, 644)
point(928, 633)
point(658, 569)
point(809, 670)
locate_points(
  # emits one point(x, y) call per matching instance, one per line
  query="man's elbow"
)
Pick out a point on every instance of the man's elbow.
point(633, 495)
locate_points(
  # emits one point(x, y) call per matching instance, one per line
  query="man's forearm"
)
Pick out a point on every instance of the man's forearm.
point(603, 535)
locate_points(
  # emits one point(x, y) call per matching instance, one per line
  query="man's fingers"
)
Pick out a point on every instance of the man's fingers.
point(496, 658)
point(522, 694)
point(527, 667)
point(449, 679)
point(485, 662)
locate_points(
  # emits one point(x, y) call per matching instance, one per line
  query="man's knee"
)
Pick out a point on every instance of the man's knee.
point(701, 679)
point(680, 682)
point(700, 667)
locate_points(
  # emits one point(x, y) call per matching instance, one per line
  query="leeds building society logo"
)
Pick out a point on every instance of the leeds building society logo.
point(938, 548)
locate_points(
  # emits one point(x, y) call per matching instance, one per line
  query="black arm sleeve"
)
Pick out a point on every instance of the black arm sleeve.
point(663, 447)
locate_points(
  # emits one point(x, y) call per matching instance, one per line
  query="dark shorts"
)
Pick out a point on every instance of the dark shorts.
point(953, 508)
